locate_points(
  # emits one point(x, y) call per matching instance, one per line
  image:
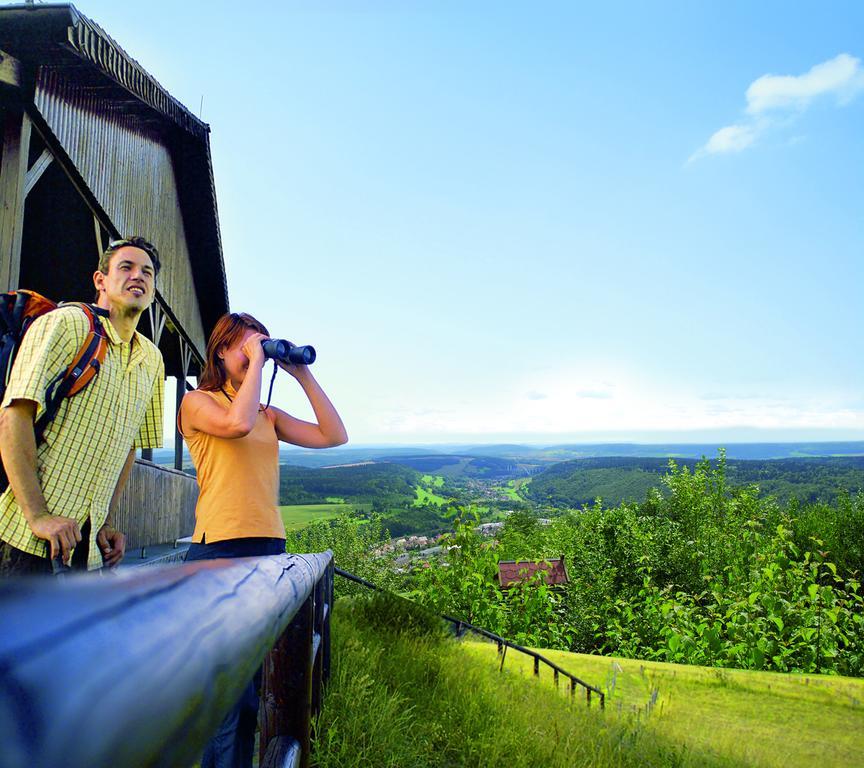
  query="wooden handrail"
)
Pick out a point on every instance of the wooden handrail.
point(139, 670)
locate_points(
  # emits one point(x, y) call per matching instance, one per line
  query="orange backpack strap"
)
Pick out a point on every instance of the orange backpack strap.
point(80, 372)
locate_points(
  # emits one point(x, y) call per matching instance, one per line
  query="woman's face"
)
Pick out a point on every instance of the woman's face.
point(235, 360)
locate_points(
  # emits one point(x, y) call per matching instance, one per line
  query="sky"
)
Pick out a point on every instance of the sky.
point(539, 222)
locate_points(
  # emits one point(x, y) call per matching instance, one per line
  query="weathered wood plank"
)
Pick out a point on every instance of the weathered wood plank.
point(36, 171)
point(138, 670)
point(157, 506)
point(13, 171)
point(10, 70)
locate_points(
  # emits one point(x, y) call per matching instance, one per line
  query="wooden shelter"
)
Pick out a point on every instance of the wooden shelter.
point(94, 148)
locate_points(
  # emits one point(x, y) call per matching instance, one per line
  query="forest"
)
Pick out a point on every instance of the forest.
point(701, 571)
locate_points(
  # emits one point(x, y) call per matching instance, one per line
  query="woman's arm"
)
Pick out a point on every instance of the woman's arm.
point(328, 432)
point(200, 412)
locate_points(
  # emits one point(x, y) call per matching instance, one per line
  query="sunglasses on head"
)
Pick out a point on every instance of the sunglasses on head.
point(136, 242)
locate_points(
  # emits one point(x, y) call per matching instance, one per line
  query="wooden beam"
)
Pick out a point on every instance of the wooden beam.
point(36, 171)
point(97, 230)
point(178, 438)
point(10, 70)
point(286, 687)
point(185, 361)
point(13, 172)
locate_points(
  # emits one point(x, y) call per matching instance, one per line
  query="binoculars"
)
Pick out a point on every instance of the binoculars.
point(279, 349)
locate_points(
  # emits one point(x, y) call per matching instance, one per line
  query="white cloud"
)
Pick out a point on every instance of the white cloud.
point(841, 77)
point(732, 138)
point(773, 96)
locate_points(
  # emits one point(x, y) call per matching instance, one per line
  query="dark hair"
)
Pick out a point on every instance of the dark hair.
point(228, 329)
point(132, 242)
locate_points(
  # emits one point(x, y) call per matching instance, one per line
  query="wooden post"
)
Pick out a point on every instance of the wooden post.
point(13, 174)
point(286, 690)
point(325, 630)
point(536, 667)
point(318, 656)
point(185, 362)
point(178, 438)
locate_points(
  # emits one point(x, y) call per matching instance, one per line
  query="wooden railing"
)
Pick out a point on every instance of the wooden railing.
point(139, 670)
point(460, 627)
point(157, 506)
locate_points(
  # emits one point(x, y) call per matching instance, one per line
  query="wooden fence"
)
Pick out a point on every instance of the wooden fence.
point(157, 505)
point(139, 670)
point(460, 627)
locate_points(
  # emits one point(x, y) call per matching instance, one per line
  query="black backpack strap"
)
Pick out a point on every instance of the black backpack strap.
point(7, 316)
point(21, 299)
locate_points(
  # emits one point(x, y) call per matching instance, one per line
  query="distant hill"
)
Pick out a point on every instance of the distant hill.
point(460, 467)
point(544, 455)
point(385, 483)
point(618, 479)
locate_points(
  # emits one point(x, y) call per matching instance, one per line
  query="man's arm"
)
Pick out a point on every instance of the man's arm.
point(111, 542)
point(18, 448)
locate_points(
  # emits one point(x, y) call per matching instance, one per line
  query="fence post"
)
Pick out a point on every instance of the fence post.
point(325, 632)
point(320, 610)
point(536, 667)
point(286, 690)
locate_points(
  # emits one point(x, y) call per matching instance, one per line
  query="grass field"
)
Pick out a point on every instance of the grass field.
point(434, 481)
point(745, 718)
point(402, 698)
point(427, 497)
point(296, 516)
point(425, 492)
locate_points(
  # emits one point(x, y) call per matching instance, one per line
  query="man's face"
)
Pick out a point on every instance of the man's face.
point(130, 282)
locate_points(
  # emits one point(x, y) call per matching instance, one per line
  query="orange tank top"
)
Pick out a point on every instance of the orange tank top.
point(238, 481)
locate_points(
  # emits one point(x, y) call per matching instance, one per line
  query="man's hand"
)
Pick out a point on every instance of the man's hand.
point(112, 545)
point(62, 532)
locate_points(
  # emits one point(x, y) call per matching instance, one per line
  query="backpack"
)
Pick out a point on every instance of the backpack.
point(18, 310)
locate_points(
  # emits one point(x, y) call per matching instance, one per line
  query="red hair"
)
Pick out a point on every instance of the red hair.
point(228, 330)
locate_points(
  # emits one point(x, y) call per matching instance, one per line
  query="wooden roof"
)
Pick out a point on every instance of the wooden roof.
point(512, 572)
point(139, 159)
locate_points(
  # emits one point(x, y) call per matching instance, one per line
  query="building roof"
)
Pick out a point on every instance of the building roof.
point(58, 34)
point(512, 572)
point(58, 37)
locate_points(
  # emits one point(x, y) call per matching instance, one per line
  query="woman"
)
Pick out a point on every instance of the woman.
point(234, 443)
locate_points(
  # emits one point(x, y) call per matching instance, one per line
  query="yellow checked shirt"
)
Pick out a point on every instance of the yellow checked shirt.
point(86, 445)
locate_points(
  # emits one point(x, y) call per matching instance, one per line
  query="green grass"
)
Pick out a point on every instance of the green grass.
point(436, 481)
point(296, 516)
point(754, 718)
point(406, 697)
point(428, 497)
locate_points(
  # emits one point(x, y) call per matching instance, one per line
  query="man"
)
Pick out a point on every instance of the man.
point(62, 493)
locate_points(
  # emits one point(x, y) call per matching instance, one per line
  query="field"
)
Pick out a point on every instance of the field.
point(425, 492)
point(296, 516)
point(750, 718)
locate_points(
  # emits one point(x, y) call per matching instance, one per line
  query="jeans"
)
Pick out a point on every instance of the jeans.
point(233, 744)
